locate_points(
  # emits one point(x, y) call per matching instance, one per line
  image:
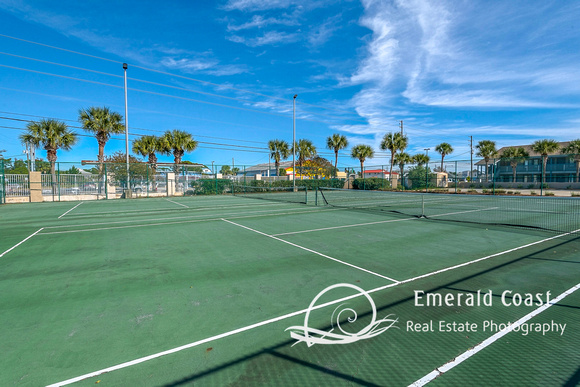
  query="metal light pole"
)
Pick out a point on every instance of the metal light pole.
point(212, 167)
point(427, 170)
point(294, 142)
point(126, 127)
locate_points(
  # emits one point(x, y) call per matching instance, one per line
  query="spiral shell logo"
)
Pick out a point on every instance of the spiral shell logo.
point(338, 335)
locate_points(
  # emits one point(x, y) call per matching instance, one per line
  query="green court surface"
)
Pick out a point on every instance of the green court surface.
point(201, 291)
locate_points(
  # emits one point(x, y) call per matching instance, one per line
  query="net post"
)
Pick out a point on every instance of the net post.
point(306, 195)
point(422, 205)
point(316, 197)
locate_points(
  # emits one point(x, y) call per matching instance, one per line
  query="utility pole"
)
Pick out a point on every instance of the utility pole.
point(471, 164)
point(401, 125)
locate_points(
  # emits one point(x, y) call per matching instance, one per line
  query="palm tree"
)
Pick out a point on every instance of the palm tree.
point(304, 149)
point(573, 149)
point(545, 147)
point(177, 142)
point(514, 156)
point(362, 152)
point(279, 150)
point(401, 159)
point(102, 123)
point(336, 142)
point(421, 158)
point(226, 170)
point(52, 135)
point(394, 142)
point(443, 149)
point(486, 149)
point(148, 146)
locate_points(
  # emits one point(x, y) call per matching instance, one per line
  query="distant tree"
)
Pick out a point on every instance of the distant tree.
point(394, 142)
point(544, 148)
point(102, 122)
point(279, 150)
point(336, 142)
point(444, 149)
point(305, 149)
point(401, 159)
point(514, 156)
point(281, 172)
point(72, 171)
point(235, 171)
point(573, 149)
point(226, 170)
point(177, 142)
point(52, 135)
point(421, 159)
point(149, 146)
point(487, 150)
point(362, 152)
point(117, 168)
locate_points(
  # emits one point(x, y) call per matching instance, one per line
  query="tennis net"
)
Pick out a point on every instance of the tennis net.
point(280, 194)
point(548, 213)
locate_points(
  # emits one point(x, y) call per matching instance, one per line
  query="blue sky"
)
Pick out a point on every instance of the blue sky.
point(226, 71)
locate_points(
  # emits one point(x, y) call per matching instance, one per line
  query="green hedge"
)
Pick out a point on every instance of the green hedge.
point(309, 184)
point(210, 187)
point(371, 183)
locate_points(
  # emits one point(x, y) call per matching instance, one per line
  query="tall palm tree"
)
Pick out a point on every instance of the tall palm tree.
point(514, 156)
point(305, 149)
point(279, 150)
point(362, 152)
point(336, 142)
point(52, 135)
point(149, 146)
point(394, 142)
point(443, 149)
point(401, 159)
point(487, 150)
point(545, 147)
point(226, 170)
point(177, 142)
point(573, 149)
point(421, 159)
point(103, 123)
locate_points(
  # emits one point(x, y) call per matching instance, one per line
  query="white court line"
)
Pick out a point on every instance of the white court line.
point(378, 222)
point(345, 226)
point(70, 210)
point(153, 211)
point(279, 318)
point(179, 204)
point(183, 222)
point(312, 251)
point(209, 216)
point(490, 340)
point(21, 242)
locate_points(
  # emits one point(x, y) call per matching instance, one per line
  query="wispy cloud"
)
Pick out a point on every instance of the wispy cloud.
point(259, 21)
point(268, 38)
point(258, 5)
point(322, 33)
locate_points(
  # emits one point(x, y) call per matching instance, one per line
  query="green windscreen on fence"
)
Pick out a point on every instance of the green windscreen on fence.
point(548, 213)
point(281, 194)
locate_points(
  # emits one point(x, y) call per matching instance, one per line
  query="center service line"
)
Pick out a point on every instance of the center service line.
point(312, 251)
point(70, 210)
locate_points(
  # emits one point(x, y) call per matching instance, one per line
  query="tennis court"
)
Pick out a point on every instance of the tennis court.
point(202, 290)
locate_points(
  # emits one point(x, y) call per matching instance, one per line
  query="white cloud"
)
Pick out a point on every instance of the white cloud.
point(324, 32)
point(269, 37)
point(258, 21)
point(257, 5)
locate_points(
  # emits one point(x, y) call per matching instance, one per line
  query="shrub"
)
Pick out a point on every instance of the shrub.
point(531, 186)
point(510, 192)
point(545, 186)
point(520, 186)
point(211, 186)
point(472, 190)
point(575, 194)
point(533, 193)
point(371, 183)
point(549, 194)
point(484, 191)
point(517, 193)
point(569, 187)
point(500, 191)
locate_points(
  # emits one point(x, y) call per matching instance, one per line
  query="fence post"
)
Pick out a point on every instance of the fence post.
point(58, 179)
point(456, 182)
point(147, 181)
point(106, 182)
point(2, 183)
point(542, 178)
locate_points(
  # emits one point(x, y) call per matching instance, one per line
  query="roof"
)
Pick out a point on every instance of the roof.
point(379, 171)
point(528, 149)
point(266, 166)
